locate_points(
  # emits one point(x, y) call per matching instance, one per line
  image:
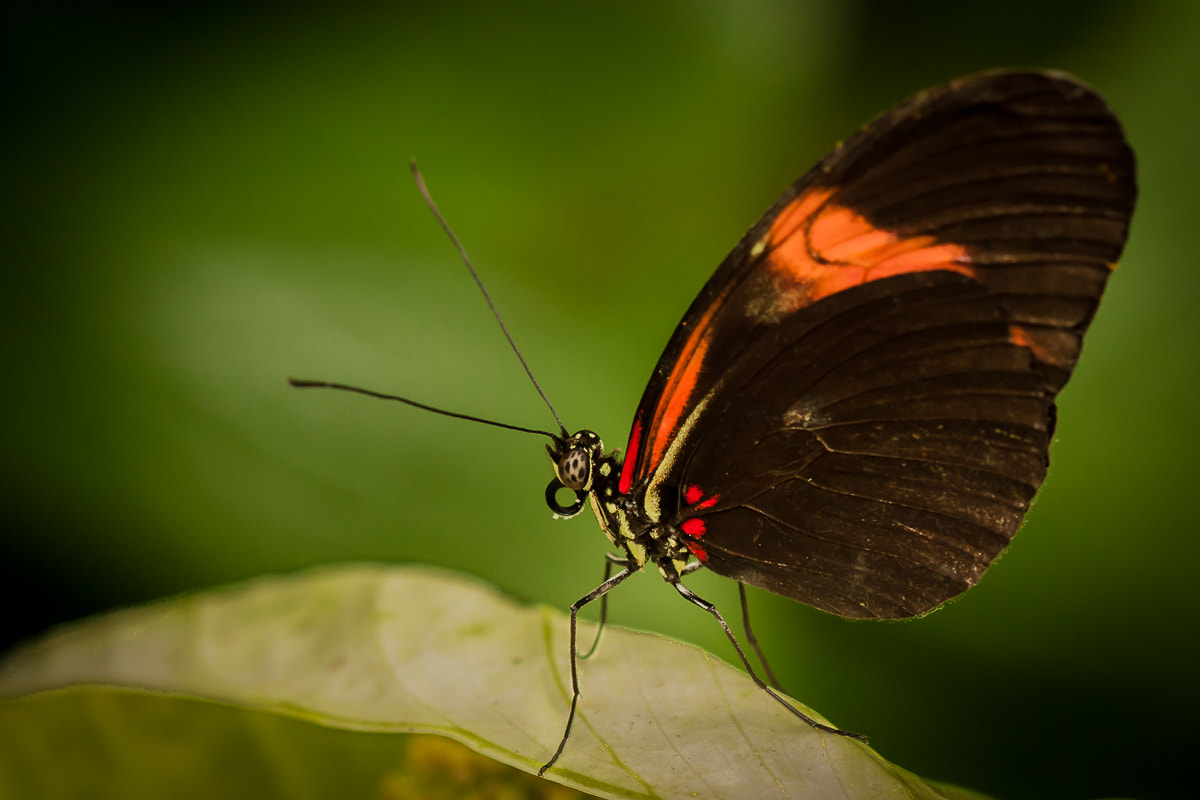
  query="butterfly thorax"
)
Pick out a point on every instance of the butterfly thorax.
point(582, 466)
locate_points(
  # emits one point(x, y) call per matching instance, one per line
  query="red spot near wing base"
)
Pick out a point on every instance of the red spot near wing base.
point(820, 248)
point(693, 527)
point(694, 494)
point(697, 550)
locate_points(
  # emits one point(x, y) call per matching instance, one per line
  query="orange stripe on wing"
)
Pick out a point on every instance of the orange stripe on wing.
point(673, 403)
point(1046, 346)
point(680, 386)
point(821, 248)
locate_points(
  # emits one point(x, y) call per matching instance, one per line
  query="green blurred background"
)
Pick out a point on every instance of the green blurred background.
point(203, 200)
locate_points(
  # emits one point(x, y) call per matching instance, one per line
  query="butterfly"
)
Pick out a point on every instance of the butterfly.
point(855, 411)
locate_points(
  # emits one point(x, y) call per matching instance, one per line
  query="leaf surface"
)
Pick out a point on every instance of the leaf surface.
point(412, 649)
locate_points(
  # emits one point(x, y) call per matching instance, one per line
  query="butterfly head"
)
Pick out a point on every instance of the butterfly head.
point(575, 462)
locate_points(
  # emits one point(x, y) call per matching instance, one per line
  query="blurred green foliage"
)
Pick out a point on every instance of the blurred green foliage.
point(142, 745)
point(204, 199)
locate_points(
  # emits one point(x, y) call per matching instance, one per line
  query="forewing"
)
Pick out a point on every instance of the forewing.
point(856, 410)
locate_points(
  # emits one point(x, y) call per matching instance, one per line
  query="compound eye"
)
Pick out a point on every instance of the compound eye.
point(575, 468)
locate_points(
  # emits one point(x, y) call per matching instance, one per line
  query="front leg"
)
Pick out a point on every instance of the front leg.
point(599, 591)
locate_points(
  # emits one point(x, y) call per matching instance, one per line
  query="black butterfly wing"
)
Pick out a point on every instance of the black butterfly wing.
point(855, 412)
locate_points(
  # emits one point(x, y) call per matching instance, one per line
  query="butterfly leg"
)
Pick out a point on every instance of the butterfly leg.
point(750, 637)
point(693, 566)
point(703, 604)
point(609, 560)
point(599, 591)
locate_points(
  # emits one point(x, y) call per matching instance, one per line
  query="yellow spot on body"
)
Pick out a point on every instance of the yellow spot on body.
point(637, 551)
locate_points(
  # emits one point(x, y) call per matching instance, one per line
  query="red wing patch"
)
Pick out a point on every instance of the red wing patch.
point(693, 529)
point(632, 451)
point(694, 496)
point(818, 248)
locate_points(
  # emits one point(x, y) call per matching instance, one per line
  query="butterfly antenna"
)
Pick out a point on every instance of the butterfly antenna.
point(304, 384)
point(495, 312)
